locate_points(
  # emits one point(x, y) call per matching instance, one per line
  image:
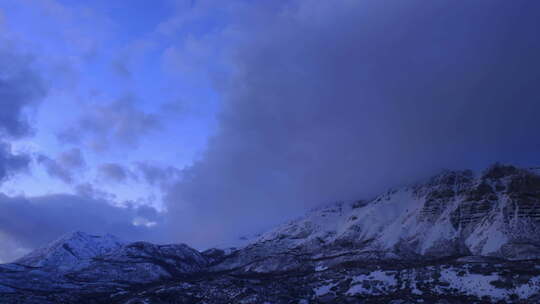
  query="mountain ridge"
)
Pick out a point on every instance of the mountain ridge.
point(70, 249)
point(457, 237)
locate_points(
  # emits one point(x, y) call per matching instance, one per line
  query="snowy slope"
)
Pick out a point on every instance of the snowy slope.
point(105, 258)
point(71, 250)
point(453, 214)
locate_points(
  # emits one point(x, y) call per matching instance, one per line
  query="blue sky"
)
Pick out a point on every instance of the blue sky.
point(94, 53)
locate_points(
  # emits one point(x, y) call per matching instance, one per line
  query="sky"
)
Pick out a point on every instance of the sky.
point(200, 121)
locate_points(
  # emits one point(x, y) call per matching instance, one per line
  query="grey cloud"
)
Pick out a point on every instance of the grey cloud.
point(11, 248)
point(157, 175)
point(143, 171)
point(121, 68)
point(114, 172)
point(20, 89)
point(341, 99)
point(88, 190)
point(148, 212)
point(72, 158)
point(133, 52)
point(29, 222)
point(10, 163)
point(64, 166)
point(117, 123)
point(54, 169)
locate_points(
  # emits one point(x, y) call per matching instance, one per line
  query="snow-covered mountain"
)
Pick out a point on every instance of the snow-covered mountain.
point(71, 250)
point(496, 214)
point(455, 238)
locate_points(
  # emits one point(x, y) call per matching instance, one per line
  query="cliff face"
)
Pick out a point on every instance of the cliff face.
point(452, 214)
point(496, 214)
point(457, 237)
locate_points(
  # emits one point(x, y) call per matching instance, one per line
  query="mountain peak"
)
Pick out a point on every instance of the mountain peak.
point(76, 234)
point(71, 249)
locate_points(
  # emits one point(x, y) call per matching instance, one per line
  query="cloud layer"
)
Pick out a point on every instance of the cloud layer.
point(341, 99)
point(27, 223)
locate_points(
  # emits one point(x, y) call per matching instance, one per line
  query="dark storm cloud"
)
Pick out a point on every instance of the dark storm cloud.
point(54, 215)
point(118, 123)
point(11, 163)
point(341, 99)
point(64, 166)
point(20, 89)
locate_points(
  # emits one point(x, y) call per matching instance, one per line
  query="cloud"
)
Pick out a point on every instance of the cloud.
point(119, 123)
point(157, 175)
point(2, 19)
point(141, 172)
point(72, 158)
point(54, 169)
point(82, 31)
point(88, 190)
point(64, 166)
point(11, 249)
point(30, 222)
point(21, 89)
point(341, 99)
point(133, 52)
point(114, 172)
point(10, 163)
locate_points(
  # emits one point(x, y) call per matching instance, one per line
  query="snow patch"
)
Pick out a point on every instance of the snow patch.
point(324, 289)
point(320, 268)
point(472, 284)
point(375, 283)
